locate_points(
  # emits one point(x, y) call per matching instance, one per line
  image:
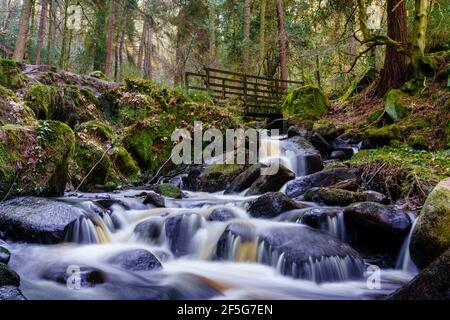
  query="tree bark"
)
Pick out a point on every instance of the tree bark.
point(41, 32)
point(142, 44)
point(282, 42)
point(24, 28)
point(262, 35)
point(110, 36)
point(212, 32)
point(149, 51)
point(51, 31)
point(394, 72)
point(64, 36)
point(245, 51)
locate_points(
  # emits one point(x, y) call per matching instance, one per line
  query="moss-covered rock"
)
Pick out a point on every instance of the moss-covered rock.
point(68, 104)
point(326, 129)
point(334, 197)
point(394, 108)
point(383, 136)
point(218, 177)
point(100, 161)
point(34, 159)
point(168, 190)
point(11, 76)
point(12, 111)
point(431, 236)
point(307, 102)
point(8, 277)
point(374, 116)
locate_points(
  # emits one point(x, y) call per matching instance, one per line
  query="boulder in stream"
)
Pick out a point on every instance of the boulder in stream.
point(5, 255)
point(37, 220)
point(245, 179)
point(333, 196)
point(137, 260)
point(271, 183)
point(8, 277)
point(324, 178)
point(431, 237)
point(377, 227)
point(433, 283)
point(155, 199)
point(271, 205)
point(60, 273)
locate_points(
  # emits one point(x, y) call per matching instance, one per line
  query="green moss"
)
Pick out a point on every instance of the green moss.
point(418, 142)
point(383, 136)
point(34, 159)
point(11, 76)
point(307, 102)
point(168, 190)
point(333, 196)
point(99, 130)
point(216, 170)
point(69, 104)
point(404, 171)
point(125, 164)
point(374, 116)
point(393, 106)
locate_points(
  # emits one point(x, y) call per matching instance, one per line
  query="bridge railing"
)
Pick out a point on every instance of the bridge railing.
point(261, 96)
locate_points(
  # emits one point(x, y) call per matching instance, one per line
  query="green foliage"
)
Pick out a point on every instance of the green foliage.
point(394, 108)
point(11, 76)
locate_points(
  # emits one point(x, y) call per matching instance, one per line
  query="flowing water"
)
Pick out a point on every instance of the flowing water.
point(201, 257)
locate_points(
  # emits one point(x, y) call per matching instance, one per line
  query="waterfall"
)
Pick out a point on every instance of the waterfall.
point(404, 261)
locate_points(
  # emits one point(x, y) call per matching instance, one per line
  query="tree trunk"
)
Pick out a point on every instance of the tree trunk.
point(262, 35)
point(319, 82)
point(41, 32)
point(142, 44)
point(149, 52)
point(24, 28)
point(64, 36)
point(394, 72)
point(51, 32)
point(110, 37)
point(282, 43)
point(245, 50)
point(419, 38)
point(212, 32)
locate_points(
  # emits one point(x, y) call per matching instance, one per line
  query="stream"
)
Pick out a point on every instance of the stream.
point(201, 256)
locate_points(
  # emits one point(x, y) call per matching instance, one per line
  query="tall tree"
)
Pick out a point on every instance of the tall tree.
point(394, 72)
point(24, 27)
point(41, 31)
point(419, 38)
point(282, 42)
point(51, 30)
point(245, 50)
point(262, 34)
point(212, 32)
point(110, 36)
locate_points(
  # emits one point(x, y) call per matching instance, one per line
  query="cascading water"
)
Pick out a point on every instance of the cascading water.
point(200, 260)
point(404, 261)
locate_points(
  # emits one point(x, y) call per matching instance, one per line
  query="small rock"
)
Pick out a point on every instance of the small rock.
point(271, 183)
point(339, 155)
point(221, 214)
point(5, 255)
point(333, 197)
point(373, 196)
point(245, 179)
point(271, 205)
point(155, 199)
point(8, 277)
point(89, 276)
point(137, 260)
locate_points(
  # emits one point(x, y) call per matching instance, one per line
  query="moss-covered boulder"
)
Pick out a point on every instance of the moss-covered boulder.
point(11, 76)
point(100, 161)
point(69, 104)
point(383, 136)
point(168, 190)
point(333, 196)
point(394, 108)
point(431, 236)
point(34, 159)
point(218, 177)
point(418, 142)
point(307, 102)
point(12, 111)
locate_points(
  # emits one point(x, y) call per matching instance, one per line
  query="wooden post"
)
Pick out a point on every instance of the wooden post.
point(223, 90)
point(245, 93)
point(207, 78)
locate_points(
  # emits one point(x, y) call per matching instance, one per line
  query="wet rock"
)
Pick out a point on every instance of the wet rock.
point(271, 205)
point(266, 183)
point(149, 229)
point(431, 237)
point(245, 179)
point(8, 277)
point(309, 159)
point(155, 199)
point(327, 130)
point(5, 255)
point(313, 217)
point(339, 155)
point(179, 231)
point(333, 197)
point(108, 203)
point(10, 293)
point(350, 184)
point(298, 131)
point(377, 227)
point(324, 178)
point(373, 196)
point(433, 283)
point(221, 214)
point(320, 143)
point(37, 220)
point(137, 260)
point(89, 276)
point(218, 177)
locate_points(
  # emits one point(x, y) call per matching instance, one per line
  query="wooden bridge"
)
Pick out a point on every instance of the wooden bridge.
point(262, 97)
